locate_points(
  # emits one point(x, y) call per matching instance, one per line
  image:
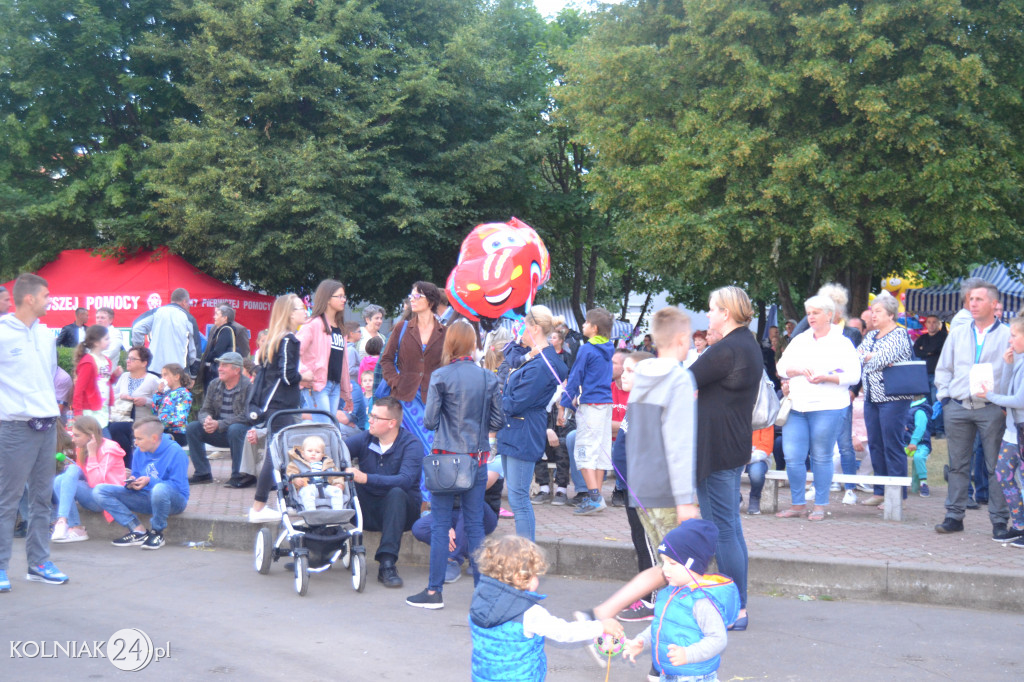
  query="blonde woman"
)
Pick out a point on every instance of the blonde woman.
point(279, 367)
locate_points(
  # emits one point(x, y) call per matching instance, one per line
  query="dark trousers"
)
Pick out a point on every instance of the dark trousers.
point(886, 425)
point(390, 515)
point(645, 554)
point(121, 433)
point(558, 456)
point(197, 438)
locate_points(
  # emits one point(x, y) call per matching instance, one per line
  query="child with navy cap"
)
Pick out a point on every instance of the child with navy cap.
point(691, 614)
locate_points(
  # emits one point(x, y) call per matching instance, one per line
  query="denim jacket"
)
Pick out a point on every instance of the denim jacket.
point(463, 405)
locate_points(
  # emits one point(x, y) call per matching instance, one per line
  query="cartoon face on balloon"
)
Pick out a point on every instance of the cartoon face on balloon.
point(500, 268)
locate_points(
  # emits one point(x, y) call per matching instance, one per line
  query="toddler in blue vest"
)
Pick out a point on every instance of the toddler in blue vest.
point(688, 633)
point(508, 623)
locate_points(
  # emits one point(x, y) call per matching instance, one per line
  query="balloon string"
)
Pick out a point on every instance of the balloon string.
point(608, 668)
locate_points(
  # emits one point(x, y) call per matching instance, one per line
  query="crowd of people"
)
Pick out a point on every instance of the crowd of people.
point(670, 420)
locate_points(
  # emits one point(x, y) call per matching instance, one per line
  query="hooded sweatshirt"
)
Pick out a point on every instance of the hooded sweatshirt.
point(590, 380)
point(509, 628)
point(662, 416)
point(167, 464)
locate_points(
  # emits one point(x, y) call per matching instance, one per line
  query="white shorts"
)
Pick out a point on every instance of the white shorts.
point(594, 437)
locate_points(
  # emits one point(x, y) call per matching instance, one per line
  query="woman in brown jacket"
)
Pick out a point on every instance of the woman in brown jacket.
point(411, 355)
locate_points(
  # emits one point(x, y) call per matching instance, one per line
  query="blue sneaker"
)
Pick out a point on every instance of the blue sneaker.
point(5, 582)
point(452, 572)
point(46, 573)
point(589, 506)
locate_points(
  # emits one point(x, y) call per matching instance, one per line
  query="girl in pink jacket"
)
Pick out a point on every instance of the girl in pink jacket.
point(99, 460)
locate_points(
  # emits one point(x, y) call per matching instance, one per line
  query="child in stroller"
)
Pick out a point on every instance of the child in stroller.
point(315, 493)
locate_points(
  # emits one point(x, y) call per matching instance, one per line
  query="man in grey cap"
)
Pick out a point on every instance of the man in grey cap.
point(222, 422)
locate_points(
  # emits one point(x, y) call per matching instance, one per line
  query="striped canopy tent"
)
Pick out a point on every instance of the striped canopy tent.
point(563, 308)
point(946, 300)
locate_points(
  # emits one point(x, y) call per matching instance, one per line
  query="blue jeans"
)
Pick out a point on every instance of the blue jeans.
point(577, 478)
point(847, 455)
point(441, 515)
point(326, 399)
point(68, 488)
point(886, 424)
point(756, 471)
point(421, 530)
point(719, 499)
point(161, 501)
point(518, 477)
point(814, 434)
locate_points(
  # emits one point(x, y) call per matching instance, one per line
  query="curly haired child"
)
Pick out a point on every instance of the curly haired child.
point(508, 624)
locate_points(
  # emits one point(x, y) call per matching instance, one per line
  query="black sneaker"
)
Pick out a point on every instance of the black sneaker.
point(198, 479)
point(972, 503)
point(559, 499)
point(154, 540)
point(425, 600)
point(1019, 542)
point(388, 574)
point(1001, 534)
point(130, 539)
point(540, 497)
point(618, 498)
point(577, 499)
point(637, 612)
point(950, 525)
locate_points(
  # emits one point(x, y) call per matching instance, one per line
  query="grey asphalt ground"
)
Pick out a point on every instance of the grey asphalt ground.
point(222, 620)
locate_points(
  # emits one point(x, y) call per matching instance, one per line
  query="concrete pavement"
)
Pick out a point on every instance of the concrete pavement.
point(852, 554)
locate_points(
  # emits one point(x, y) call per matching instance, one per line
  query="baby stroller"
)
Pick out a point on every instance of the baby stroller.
point(315, 539)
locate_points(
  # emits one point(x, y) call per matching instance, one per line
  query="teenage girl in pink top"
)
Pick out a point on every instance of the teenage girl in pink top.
point(100, 460)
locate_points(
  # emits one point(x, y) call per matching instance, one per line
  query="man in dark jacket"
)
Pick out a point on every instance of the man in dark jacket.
point(928, 347)
point(387, 481)
point(222, 421)
point(73, 334)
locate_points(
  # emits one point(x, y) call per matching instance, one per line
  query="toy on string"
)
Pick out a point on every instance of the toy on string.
point(500, 268)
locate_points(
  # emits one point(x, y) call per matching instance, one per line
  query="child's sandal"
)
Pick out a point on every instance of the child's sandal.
point(816, 515)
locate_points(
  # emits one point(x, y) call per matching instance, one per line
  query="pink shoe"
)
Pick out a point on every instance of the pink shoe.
point(505, 513)
point(60, 531)
point(76, 534)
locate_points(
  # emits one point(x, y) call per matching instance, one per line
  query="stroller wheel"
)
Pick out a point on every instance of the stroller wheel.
point(358, 572)
point(301, 575)
point(263, 551)
point(346, 553)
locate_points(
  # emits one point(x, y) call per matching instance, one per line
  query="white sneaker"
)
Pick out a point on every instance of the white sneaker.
point(865, 488)
point(265, 515)
point(850, 497)
point(835, 487)
point(60, 531)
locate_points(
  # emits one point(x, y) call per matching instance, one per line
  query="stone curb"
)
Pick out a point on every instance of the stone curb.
point(974, 588)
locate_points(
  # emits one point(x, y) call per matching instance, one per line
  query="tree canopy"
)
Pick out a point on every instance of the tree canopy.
point(782, 143)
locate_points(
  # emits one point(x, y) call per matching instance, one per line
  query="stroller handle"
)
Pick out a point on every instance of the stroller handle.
point(321, 474)
point(285, 413)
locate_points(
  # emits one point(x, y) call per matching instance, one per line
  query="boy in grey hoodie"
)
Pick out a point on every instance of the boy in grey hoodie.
point(662, 416)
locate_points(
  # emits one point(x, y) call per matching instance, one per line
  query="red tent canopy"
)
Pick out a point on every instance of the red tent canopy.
point(81, 279)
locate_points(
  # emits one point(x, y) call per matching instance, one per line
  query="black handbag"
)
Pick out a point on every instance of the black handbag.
point(449, 473)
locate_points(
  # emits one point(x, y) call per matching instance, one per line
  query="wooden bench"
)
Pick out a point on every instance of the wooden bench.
point(892, 509)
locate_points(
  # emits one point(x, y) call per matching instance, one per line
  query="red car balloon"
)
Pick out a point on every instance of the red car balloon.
point(500, 268)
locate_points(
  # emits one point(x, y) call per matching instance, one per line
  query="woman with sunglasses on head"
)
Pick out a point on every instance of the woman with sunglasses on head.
point(412, 353)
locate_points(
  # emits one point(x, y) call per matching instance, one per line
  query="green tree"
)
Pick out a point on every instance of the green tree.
point(779, 144)
point(77, 97)
point(354, 140)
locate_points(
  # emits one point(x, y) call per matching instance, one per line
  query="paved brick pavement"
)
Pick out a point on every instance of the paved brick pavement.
point(849, 532)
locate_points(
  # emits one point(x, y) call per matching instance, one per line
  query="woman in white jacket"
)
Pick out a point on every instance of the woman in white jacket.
point(821, 365)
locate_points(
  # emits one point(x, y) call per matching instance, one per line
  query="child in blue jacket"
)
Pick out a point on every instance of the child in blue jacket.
point(589, 392)
point(508, 624)
point(691, 615)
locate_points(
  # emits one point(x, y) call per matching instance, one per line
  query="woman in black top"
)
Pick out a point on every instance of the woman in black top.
point(222, 340)
point(727, 375)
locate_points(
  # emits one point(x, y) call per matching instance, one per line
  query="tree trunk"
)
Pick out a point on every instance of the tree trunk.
point(591, 279)
point(627, 288)
point(762, 322)
point(860, 286)
point(577, 281)
point(643, 313)
point(786, 299)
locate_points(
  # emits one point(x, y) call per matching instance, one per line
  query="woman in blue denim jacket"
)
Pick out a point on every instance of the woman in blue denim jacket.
point(528, 394)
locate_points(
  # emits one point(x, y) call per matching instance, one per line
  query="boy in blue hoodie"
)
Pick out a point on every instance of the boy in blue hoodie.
point(588, 390)
point(158, 485)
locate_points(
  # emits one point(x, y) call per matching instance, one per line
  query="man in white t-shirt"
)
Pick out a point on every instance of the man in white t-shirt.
point(105, 318)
